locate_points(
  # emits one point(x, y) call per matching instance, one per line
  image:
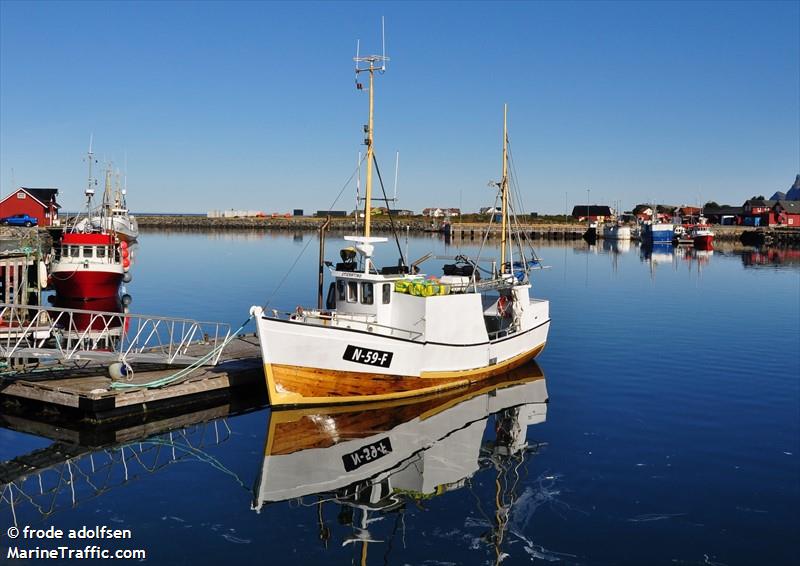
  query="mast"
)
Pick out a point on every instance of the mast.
point(89, 192)
point(504, 189)
point(369, 140)
point(90, 158)
point(371, 61)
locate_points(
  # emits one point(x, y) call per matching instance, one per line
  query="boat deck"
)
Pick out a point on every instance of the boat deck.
point(88, 390)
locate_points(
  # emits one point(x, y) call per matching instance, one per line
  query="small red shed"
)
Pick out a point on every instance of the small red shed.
point(40, 203)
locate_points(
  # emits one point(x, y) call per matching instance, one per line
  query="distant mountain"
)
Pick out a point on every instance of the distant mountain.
point(792, 194)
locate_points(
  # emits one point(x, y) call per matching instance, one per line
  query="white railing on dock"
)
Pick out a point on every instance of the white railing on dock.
point(78, 335)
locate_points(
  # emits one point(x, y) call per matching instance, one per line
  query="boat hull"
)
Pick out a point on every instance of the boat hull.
point(658, 233)
point(304, 365)
point(616, 232)
point(80, 283)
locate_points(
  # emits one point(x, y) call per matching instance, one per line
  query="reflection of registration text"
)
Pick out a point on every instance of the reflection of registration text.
point(366, 454)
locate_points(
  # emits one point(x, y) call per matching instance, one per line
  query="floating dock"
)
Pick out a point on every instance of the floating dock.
point(86, 392)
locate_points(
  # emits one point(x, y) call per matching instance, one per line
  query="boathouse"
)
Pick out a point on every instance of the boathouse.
point(787, 213)
point(39, 203)
point(758, 212)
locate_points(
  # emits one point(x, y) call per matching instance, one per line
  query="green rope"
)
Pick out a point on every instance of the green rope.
point(183, 372)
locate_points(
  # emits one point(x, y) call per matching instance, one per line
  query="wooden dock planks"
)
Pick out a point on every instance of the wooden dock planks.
point(88, 389)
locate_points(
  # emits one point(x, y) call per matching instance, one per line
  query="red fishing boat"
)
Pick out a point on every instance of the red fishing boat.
point(89, 263)
point(702, 236)
point(88, 266)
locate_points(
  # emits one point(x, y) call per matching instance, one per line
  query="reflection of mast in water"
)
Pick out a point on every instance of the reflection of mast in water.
point(507, 455)
point(615, 248)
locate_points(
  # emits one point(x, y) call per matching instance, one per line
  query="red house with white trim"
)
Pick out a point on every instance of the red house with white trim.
point(787, 212)
point(39, 203)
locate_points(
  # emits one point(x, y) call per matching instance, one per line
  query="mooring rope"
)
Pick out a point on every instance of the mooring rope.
point(183, 372)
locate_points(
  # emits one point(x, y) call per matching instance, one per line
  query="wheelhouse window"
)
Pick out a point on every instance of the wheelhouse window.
point(101, 251)
point(352, 291)
point(341, 290)
point(387, 293)
point(366, 293)
point(87, 251)
point(74, 251)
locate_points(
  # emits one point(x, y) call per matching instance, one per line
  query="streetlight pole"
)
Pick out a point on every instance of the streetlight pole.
point(587, 205)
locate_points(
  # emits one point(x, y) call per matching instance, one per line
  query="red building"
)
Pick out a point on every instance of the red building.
point(39, 203)
point(787, 213)
point(758, 212)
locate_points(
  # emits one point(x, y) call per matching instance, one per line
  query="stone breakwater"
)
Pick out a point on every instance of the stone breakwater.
point(466, 230)
point(379, 225)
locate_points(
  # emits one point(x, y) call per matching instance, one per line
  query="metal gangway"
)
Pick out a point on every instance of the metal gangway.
point(46, 333)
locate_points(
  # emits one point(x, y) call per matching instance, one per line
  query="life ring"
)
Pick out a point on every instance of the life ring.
point(504, 306)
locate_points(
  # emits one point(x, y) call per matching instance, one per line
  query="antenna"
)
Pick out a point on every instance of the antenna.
point(396, 170)
point(371, 59)
point(383, 43)
point(358, 182)
point(90, 157)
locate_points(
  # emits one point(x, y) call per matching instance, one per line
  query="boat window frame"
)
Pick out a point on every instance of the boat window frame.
point(74, 251)
point(87, 252)
point(367, 293)
point(352, 291)
point(341, 290)
point(100, 252)
point(387, 293)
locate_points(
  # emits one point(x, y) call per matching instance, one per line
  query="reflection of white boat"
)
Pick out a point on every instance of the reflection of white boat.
point(309, 451)
point(661, 254)
point(616, 232)
point(617, 246)
point(389, 333)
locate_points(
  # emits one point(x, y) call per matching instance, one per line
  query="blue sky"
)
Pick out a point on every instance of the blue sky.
point(253, 106)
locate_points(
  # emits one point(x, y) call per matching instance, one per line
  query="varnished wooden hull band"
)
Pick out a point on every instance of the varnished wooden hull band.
point(291, 386)
point(293, 430)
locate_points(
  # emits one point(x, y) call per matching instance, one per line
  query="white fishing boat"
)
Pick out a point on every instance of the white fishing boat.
point(391, 333)
point(616, 231)
point(113, 215)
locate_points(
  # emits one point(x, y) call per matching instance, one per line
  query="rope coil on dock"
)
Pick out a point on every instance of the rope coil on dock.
point(180, 374)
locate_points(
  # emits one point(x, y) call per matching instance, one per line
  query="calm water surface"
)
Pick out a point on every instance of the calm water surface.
point(671, 435)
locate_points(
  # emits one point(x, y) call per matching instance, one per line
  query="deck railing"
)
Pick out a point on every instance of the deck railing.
point(363, 322)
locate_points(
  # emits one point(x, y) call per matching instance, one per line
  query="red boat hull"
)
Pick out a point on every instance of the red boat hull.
point(85, 321)
point(704, 242)
point(86, 284)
